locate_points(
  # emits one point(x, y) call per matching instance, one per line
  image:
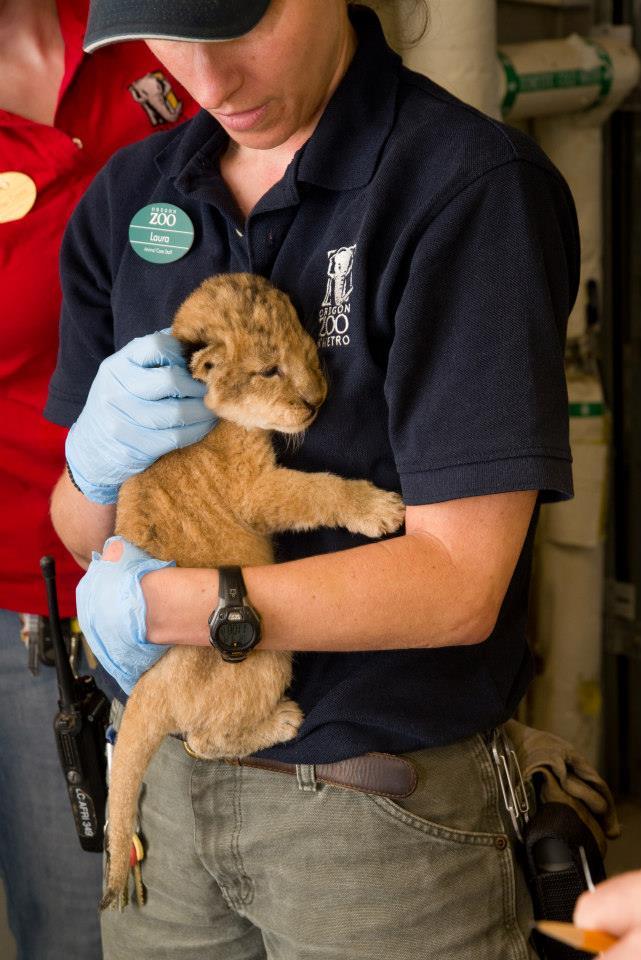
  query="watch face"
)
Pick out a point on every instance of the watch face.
point(236, 636)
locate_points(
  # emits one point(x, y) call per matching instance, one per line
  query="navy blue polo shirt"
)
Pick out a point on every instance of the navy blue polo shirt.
point(433, 255)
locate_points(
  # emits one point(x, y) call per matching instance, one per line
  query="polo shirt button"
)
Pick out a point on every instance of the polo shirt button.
point(78, 143)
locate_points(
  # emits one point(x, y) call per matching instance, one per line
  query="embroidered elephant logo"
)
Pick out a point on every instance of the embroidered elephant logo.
point(153, 92)
point(339, 276)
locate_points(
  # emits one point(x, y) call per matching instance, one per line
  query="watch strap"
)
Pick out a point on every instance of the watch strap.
point(231, 585)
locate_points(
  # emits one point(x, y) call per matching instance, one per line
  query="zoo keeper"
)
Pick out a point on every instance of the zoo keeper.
point(433, 255)
point(62, 115)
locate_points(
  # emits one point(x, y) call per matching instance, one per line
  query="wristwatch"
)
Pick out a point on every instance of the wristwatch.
point(234, 626)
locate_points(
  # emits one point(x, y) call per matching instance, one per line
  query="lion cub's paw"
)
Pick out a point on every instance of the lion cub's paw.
point(288, 717)
point(376, 511)
point(280, 726)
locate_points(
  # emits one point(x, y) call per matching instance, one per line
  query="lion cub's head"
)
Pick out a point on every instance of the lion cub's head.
point(243, 339)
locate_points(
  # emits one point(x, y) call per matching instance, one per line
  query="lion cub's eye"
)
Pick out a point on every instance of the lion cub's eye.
point(208, 365)
point(270, 372)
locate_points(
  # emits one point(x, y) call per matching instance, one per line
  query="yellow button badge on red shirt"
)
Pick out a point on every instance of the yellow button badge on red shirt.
point(17, 195)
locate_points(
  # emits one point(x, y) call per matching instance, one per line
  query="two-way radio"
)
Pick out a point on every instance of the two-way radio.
point(79, 728)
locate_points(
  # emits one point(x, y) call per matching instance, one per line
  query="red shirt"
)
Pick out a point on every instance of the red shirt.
point(116, 96)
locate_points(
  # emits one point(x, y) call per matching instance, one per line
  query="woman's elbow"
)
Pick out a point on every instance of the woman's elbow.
point(480, 631)
point(482, 621)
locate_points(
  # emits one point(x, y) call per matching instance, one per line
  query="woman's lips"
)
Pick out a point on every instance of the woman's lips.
point(242, 121)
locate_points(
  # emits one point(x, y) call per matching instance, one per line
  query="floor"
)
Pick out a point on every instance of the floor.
point(624, 854)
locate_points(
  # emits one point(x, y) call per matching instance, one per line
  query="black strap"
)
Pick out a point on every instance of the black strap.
point(71, 476)
point(231, 586)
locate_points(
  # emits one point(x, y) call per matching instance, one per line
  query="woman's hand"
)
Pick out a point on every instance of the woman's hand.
point(112, 610)
point(142, 404)
point(614, 907)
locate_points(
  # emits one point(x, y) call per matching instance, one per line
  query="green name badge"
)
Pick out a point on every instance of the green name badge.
point(161, 233)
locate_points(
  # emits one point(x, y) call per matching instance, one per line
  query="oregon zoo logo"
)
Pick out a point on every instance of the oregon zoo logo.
point(335, 310)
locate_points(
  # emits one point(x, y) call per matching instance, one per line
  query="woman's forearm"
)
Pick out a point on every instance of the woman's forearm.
point(399, 594)
point(441, 584)
point(83, 526)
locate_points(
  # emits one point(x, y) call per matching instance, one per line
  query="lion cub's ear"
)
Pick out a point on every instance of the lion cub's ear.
point(191, 347)
point(200, 355)
point(196, 330)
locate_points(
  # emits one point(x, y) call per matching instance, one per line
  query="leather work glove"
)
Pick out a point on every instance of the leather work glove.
point(142, 404)
point(565, 776)
point(112, 613)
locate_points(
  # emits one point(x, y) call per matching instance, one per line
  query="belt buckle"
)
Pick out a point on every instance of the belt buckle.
point(511, 781)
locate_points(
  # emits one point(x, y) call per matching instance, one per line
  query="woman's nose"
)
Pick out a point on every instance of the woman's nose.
point(216, 78)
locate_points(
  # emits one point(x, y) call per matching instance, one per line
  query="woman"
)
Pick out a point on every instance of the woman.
point(62, 115)
point(432, 253)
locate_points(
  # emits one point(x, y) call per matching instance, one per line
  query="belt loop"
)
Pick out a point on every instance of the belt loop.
point(306, 777)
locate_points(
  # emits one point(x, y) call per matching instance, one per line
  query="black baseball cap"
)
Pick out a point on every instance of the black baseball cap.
point(113, 20)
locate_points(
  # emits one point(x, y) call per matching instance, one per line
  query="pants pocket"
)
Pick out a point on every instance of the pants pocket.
point(453, 839)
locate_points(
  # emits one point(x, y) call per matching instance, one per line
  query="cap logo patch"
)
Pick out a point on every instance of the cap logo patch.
point(154, 94)
point(335, 309)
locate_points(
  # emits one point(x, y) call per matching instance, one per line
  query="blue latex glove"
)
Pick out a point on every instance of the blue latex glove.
point(142, 404)
point(112, 613)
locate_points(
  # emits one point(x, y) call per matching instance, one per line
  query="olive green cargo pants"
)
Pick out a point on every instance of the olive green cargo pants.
point(244, 864)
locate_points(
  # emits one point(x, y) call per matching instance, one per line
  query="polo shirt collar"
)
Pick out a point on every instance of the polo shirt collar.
point(197, 144)
point(343, 151)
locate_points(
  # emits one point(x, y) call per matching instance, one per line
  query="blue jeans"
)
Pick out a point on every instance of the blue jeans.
point(52, 885)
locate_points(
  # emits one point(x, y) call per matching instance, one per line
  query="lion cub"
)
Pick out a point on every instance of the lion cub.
point(216, 503)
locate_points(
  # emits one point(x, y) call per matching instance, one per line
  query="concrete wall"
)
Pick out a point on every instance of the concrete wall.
point(520, 21)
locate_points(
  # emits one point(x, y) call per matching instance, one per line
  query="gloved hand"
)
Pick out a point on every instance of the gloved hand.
point(142, 404)
point(112, 613)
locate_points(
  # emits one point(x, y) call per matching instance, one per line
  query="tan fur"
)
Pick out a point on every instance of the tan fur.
point(217, 502)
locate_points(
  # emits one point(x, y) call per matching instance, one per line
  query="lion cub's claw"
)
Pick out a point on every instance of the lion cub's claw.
point(115, 899)
point(378, 511)
point(289, 717)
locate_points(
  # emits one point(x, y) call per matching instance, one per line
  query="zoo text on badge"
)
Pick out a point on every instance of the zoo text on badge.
point(161, 233)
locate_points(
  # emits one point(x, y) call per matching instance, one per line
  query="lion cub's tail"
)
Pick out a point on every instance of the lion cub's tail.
point(141, 732)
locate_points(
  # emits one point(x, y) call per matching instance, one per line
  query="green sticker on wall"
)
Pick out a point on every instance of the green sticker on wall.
point(161, 233)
